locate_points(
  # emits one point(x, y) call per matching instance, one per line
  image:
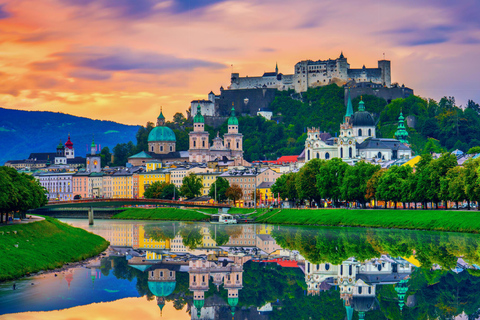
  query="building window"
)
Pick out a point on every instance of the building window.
point(369, 132)
point(171, 148)
point(152, 148)
point(341, 152)
point(161, 148)
point(350, 152)
point(359, 132)
point(308, 155)
point(327, 156)
point(203, 143)
point(194, 143)
point(318, 155)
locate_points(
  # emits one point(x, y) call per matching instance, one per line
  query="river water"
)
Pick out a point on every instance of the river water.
point(175, 270)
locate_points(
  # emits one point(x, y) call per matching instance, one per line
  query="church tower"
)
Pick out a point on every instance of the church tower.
point(69, 150)
point(94, 162)
point(233, 140)
point(199, 145)
point(346, 141)
point(199, 278)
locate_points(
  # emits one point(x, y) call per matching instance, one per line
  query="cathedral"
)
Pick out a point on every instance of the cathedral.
point(200, 149)
point(358, 140)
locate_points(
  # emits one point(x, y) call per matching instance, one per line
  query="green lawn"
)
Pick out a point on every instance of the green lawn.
point(44, 245)
point(441, 220)
point(171, 214)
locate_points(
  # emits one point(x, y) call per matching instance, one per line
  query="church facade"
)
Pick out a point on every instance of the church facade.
point(357, 140)
point(200, 150)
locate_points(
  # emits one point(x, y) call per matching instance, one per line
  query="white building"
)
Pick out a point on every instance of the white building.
point(357, 140)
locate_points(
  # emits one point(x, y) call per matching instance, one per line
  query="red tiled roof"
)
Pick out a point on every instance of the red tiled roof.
point(281, 262)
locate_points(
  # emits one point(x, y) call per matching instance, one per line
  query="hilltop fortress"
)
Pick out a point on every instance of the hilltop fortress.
point(253, 95)
point(308, 74)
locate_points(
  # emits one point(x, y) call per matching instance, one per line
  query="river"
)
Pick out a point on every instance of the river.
point(174, 270)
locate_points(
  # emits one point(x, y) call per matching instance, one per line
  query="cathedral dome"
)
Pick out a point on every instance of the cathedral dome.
point(161, 134)
point(362, 119)
point(161, 289)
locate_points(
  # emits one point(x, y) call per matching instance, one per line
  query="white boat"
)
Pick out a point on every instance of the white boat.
point(222, 219)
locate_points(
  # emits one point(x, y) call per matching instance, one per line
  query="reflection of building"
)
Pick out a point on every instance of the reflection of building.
point(230, 272)
point(162, 282)
point(357, 281)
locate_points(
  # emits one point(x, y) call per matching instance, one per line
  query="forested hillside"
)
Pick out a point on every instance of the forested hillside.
point(438, 126)
point(23, 132)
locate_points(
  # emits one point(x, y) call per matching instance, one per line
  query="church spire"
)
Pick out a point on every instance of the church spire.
point(276, 67)
point(401, 134)
point(349, 112)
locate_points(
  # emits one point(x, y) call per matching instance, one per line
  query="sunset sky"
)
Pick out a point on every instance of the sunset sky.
point(121, 60)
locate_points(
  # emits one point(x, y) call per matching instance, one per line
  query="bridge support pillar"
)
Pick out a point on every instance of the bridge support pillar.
point(90, 216)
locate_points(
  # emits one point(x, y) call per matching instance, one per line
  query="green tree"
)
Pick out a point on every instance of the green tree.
point(142, 137)
point(438, 170)
point(330, 179)
point(391, 183)
point(191, 236)
point(474, 150)
point(354, 186)
point(472, 188)
point(154, 191)
point(121, 152)
point(306, 181)
point(286, 187)
point(170, 192)
point(106, 156)
point(372, 186)
point(455, 180)
point(221, 185)
point(179, 119)
point(191, 186)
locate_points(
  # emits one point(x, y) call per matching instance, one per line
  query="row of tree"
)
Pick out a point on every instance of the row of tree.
point(192, 187)
point(433, 181)
point(19, 192)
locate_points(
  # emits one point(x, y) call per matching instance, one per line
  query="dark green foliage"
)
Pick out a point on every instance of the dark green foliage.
point(221, 186)
point(191, 186)
point(161, 232)
point(162, 190)
point(106, 157)
point(191, 236)
point(19, 192)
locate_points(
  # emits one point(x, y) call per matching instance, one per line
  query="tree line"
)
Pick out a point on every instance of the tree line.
point(18, 193)
point(192, 187)
point(433, 181)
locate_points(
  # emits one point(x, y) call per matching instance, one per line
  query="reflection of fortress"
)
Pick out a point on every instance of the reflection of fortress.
point(357, 281)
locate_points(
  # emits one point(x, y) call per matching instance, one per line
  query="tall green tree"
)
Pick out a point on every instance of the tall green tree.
point(354, 186)
point(154, 191)
point(306, 181)
point(391, 183)
point(330, 179)
point(234, 193)
point(221, 186)
point(191, 186)
point(170, 192)
point(372, 186)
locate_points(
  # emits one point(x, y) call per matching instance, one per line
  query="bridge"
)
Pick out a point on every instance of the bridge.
point(89, 204)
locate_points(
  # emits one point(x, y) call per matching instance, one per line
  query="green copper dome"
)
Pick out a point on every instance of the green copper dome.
point(232, 302)
point(198, 117)
point(60, 145)
point(161, 116)
point(161, 134)
point(161, 289)
point(233, 121)
point(361, 106)
point(199, 304)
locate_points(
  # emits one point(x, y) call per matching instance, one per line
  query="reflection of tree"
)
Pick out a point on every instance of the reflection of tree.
point(335, 245)
point(161, 232)
point(449, 296)
point(191, 236)
point(233, 231)
point(219, 235)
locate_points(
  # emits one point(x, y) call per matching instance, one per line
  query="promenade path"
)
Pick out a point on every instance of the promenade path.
point(30, 218)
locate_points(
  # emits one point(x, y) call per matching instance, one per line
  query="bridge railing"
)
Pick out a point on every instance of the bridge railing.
point(139, 201)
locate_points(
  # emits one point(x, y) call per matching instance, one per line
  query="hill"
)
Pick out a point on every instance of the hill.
point(23, 132)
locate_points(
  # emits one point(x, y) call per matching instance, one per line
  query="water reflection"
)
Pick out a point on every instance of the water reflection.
point(209, 271)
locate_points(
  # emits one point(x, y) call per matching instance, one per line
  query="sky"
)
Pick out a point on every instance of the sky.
point(122, 60)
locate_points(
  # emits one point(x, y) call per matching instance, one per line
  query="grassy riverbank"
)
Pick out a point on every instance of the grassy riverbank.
point(440, 220)
point(171, 214)
point(44, 245)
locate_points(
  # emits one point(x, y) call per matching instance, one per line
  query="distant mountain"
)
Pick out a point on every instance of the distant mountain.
point(23, 132)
